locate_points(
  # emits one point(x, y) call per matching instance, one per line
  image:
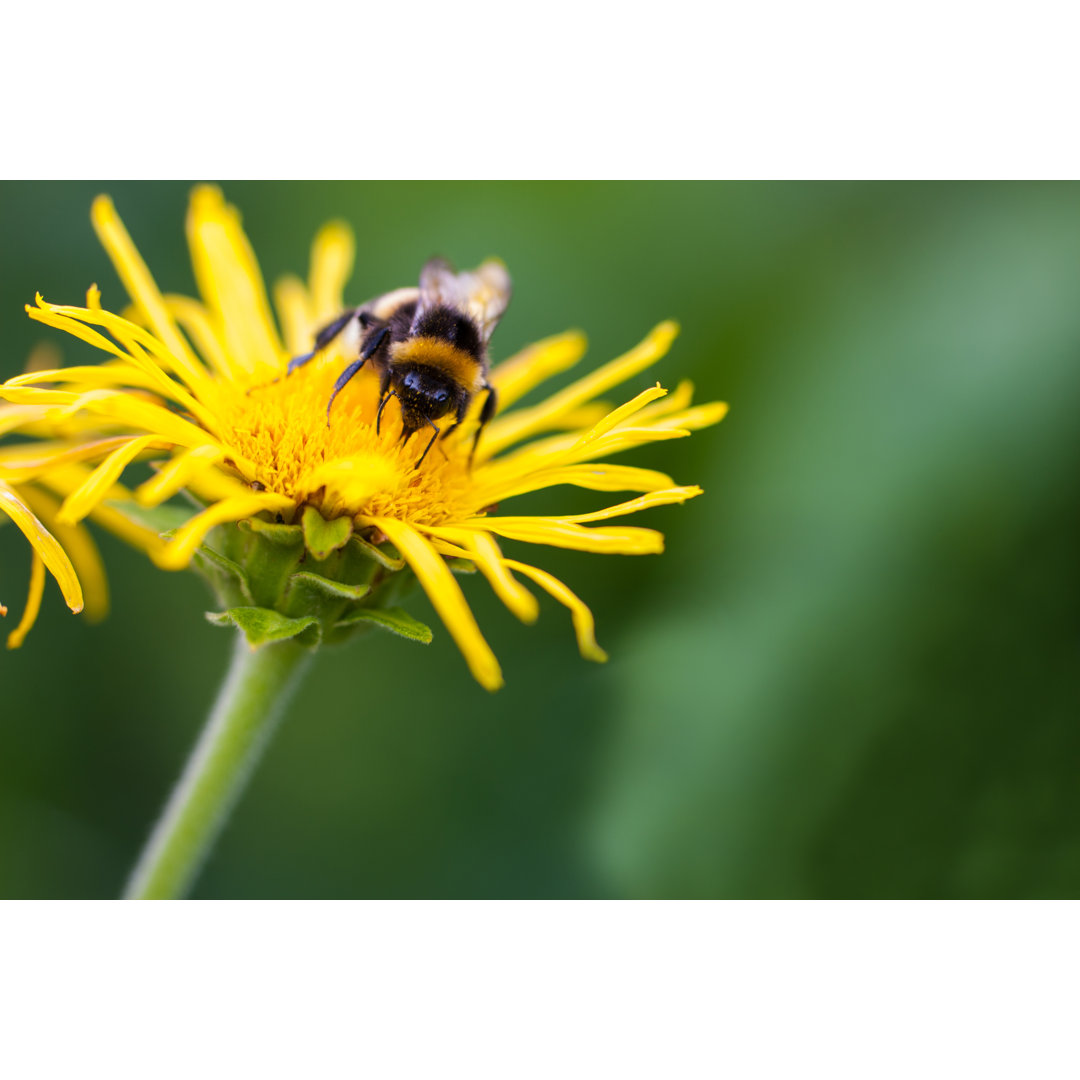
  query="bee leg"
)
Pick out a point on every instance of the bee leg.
point(322, 339)
point(463, 409)
point(299, 361)
point(431, 442)
point(491, 403)
point(372, 347)
point(369, 350)
point(382, 405)
point(343, 378)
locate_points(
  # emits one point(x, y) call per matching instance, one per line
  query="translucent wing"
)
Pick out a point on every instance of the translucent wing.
point(483, 294)
point(438, 286)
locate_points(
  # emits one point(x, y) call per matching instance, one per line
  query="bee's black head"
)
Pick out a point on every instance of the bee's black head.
point(426, 395)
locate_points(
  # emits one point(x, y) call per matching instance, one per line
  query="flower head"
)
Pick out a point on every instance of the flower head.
point(294, 515)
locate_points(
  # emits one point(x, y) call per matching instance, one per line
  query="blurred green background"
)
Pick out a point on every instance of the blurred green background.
point(854, 673)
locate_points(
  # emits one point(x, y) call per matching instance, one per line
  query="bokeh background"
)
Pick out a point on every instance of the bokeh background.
point(854, 673)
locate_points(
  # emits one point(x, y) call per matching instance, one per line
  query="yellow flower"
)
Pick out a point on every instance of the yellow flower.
point(197, 388)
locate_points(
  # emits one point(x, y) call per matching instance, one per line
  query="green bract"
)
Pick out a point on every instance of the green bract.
point(316, 581)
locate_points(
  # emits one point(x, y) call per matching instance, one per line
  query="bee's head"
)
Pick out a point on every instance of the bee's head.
point(426, 395)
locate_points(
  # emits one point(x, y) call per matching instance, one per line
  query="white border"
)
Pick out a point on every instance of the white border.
point(524, 990)
point(577, 89)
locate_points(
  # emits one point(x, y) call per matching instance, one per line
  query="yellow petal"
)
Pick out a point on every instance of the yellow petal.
point(118, 374)
point(212, 485)
point(17, 416)
point(584, 624)
point(50, 315)
point(332, 256)
point(294, 314)
point(582, 417)
point(515, 377)
point(31, 395)
point(26, 460)
point(643, 502)
point(140, 284)
point(132, 411)
point(134, 339)
point(591, 477)
point(353, 481)
point(177, 554)
point(621, 414)
point(200, 327)
point(676, 401)
point(518, 425)
point(156, 377)
point(81, 549)
point(622, 540)
point(231, 285)
point(693, 419)
point(560, 451)
point(33, 603)
point(446, 597)
point(131, 532)
point(176, 474)
point(484, 551)
point(618, 440)
point(45, 544)
point(98, 484)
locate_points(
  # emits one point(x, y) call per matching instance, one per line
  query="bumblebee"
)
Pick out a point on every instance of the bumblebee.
point(427, 344)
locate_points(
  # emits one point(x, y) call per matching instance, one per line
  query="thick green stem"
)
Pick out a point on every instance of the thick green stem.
point(249, 705)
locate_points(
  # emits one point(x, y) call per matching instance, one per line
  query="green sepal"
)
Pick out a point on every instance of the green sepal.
point(269, 553)
point(370, 551)
point(336, 590)
point(322, 536)
point(228, 579)
point(322, 593)
point(395, 620)
point(261, 625)
point(315, 582)
point(284, 535)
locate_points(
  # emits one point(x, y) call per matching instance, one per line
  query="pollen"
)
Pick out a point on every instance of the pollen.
point(280, 438)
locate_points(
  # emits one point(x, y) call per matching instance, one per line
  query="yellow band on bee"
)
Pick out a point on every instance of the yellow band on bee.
point(434, 352)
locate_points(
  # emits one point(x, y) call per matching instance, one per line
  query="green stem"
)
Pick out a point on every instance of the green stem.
point(245, 715)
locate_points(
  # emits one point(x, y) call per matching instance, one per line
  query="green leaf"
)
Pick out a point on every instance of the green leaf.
point(322, 536)
point(285, 535)
point(395, 620)
point(261, 625)
point(337, 590)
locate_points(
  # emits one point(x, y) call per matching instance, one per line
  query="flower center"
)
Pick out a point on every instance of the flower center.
point(344, 467)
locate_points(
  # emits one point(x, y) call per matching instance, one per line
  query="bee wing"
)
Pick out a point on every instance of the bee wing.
point(438, 286)
point(482, 294)
point(488, 293)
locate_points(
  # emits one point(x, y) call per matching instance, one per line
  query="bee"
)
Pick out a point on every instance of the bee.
point(427, 344)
